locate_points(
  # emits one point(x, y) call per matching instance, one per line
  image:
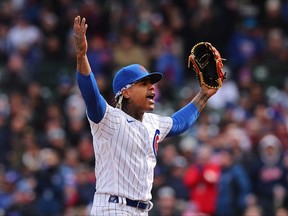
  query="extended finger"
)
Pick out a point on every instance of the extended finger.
point(83, 22)
point(85, 28)
point(77, 20)
point(76, 23)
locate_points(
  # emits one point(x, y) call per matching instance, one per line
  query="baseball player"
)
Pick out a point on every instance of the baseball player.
point(126, 137)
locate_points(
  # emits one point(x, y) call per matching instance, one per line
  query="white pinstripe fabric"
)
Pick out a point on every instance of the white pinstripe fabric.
point(124, 154)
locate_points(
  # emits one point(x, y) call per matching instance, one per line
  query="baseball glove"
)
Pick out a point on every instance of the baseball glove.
point(208, 65)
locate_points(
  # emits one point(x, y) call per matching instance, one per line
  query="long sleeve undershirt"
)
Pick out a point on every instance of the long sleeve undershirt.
point(95, 103)
point(183, 119)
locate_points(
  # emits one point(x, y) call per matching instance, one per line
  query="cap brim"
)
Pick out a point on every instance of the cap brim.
point(154, 77)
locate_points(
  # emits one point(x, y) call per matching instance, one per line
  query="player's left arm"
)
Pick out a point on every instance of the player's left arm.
point(207, 63)
point(186, 116)
point(201, 99)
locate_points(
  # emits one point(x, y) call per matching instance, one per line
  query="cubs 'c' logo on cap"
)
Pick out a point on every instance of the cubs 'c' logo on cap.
point(142, 68)
point(156, 142)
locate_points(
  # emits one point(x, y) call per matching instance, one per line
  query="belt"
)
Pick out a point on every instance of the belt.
point(141, 205)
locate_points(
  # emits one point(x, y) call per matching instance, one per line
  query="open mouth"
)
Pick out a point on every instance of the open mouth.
point(151, 96)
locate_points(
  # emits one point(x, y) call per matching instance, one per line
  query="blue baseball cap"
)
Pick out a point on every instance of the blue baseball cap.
point(131, 74)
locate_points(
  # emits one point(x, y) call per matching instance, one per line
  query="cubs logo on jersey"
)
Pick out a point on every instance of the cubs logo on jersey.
point(156, 142)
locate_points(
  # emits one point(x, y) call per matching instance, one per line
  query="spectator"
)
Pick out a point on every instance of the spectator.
point(273, 15)
point(234, 186)
point(127, 52)
point(166, 203)
point(281, 211)
point(201, 179)
point(100, 56)
point(85, 185)
point(5, 144)
point(8, 180)
point(23, 198)
point(50, 185)
point(16, 75)
point(253, 210)
point(274, 59)
point(175, 181)
point(166, 157)
point(168, 58)
point(245, 45)
point(23, 35)
point(267, 174)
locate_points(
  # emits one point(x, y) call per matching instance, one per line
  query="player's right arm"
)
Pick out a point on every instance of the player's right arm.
point(81, 45)
point(95, 103)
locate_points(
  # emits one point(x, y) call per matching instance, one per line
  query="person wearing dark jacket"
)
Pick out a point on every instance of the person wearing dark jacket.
point(268, 174)
point(233, 188)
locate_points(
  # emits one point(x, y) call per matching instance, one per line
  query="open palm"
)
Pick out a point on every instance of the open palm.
point(80, 41)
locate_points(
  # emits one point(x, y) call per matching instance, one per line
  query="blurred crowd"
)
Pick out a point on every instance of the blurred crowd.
point(233, 161)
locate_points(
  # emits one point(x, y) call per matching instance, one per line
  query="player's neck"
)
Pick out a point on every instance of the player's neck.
point(138, 115)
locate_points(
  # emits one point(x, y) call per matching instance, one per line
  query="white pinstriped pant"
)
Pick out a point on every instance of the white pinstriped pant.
point(101, 207)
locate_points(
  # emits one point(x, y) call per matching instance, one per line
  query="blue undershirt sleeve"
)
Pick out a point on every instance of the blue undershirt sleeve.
point(95, 103)
point(183, 119)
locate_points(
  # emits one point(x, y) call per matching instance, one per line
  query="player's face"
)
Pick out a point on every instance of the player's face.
point(142, 95)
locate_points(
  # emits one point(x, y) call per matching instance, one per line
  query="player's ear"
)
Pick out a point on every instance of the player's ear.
point(126, 93)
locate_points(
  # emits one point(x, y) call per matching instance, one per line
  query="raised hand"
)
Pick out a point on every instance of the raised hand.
point(80, 41)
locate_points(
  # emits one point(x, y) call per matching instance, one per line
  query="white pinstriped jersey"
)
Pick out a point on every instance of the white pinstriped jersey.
point(125, 152)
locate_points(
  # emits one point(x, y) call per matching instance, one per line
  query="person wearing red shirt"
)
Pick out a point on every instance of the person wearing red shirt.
point(201, 179)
